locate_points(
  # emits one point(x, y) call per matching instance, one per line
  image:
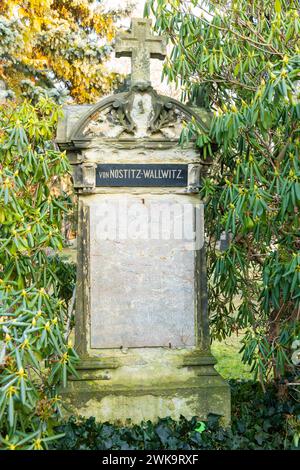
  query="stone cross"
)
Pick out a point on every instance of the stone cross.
point(141, 46)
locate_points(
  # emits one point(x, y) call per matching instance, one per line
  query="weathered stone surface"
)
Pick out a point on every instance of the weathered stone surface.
point(138, 113)
point(142, 405)
point(142, 289)
point(72, 113)
point(151, 384)
point(140, 45)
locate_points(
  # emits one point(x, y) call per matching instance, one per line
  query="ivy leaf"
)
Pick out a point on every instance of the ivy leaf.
point(201, 426)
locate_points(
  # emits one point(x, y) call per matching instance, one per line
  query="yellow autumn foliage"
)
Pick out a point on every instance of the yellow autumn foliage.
point(63, 41)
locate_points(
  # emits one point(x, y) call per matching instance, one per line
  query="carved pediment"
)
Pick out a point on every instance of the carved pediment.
point(139, 113)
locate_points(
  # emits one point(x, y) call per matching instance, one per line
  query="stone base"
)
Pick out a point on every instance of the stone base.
point(177, 384)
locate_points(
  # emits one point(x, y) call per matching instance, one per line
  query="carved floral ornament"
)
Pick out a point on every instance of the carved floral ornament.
point(139, 113)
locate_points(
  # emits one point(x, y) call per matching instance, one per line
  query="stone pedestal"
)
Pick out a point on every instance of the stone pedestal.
point(147, 384)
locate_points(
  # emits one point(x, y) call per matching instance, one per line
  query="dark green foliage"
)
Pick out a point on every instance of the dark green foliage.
point(242, 60)
point(259, 421)
point(35, 284)
point(65, 272)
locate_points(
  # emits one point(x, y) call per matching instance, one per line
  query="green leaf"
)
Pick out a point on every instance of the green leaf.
point(201, 426)
point(278, 6)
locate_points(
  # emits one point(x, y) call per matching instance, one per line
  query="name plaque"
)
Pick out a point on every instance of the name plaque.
point(111, 174)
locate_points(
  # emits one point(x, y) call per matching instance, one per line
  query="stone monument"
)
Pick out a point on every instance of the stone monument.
point(141, 307)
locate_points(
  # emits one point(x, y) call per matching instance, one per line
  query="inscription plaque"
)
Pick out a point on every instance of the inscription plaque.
point(142, 291)
point(111, 174)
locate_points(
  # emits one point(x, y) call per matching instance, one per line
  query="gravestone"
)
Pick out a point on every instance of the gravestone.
point(141, 307)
